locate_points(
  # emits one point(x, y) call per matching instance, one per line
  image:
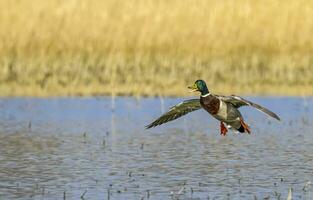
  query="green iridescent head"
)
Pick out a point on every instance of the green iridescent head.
point(199, 86)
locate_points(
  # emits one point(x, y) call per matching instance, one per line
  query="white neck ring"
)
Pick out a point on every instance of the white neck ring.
point(206, 94)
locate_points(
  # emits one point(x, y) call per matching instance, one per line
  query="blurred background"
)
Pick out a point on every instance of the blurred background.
point(64, 147)
point(155, 48)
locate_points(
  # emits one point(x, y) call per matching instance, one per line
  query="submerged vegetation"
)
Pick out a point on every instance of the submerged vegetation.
point(141, 47)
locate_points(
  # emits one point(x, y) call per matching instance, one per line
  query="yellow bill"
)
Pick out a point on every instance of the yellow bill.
point(193, 88)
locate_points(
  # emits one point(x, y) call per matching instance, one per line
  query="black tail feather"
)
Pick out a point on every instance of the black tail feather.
point(241, 129)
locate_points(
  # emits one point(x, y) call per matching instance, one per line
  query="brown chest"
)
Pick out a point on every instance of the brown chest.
point(210, 104)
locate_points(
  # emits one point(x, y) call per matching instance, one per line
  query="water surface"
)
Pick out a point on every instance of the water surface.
point(77, 147)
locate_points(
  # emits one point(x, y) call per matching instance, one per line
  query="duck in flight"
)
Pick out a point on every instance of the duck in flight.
point(222, 108)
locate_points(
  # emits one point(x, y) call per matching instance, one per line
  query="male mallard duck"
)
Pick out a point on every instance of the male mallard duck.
point(223, 108)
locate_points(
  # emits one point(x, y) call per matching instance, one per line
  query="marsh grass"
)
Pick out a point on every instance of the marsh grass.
point(140, 47)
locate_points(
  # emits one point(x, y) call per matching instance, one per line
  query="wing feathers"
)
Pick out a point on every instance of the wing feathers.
point(264, 110)
point(176, 111)
point(239, 101)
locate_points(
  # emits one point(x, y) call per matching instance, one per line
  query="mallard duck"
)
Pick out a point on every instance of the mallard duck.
point(222, 108)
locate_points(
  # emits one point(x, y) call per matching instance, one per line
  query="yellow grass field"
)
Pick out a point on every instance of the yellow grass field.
point(155, 47)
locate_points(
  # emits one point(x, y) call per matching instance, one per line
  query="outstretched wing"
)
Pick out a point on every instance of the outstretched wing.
point(239, 101)
point(177, 111)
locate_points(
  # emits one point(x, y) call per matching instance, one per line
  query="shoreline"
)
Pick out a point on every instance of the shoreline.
point(12, 92)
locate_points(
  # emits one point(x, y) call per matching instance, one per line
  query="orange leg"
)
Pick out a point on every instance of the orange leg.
point(245, 126)
point(223, 129)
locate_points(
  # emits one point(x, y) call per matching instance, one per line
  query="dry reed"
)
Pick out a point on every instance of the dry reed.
point(142, 47)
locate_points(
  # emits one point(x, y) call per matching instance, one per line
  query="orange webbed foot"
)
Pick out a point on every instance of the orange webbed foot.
point(223, 129)
point(245, 126)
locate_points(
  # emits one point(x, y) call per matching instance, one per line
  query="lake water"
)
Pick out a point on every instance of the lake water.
point(76, 148)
